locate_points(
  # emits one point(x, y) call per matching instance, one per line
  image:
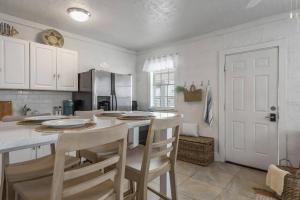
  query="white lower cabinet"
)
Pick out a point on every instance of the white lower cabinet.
point(29, 154)
point(42, 151)
point(22, 155)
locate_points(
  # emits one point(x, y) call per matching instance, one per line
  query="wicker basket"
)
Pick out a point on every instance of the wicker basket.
point(193, 94)
point(196, 150)
point(291, 190)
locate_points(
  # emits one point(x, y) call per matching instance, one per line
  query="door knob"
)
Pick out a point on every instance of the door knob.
point(271, 117)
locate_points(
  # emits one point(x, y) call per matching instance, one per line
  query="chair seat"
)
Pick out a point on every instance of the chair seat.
point(99, 153)
point(35, 168)
point(40, 189)
point(134, 162)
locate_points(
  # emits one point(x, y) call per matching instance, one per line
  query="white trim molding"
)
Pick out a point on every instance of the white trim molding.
point(41, 27)
point(282, 74)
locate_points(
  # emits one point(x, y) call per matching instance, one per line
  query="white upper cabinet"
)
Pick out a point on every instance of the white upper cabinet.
point(53, 68)
point(42, 67)
point(14, 63)
point(67, 69)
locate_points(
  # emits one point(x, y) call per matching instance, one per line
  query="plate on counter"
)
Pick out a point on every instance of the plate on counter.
point(45, 118)
point(138, 114)
point(111, 114)
point(66, 123)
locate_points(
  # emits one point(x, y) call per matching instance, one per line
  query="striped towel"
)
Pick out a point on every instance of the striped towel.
point(208, 107)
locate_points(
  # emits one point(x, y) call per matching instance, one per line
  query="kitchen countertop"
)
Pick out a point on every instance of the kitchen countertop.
point(15, 137)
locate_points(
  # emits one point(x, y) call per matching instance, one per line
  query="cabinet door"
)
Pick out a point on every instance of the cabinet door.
point(67, 70)
point(22, 155)
point(14, 63)
point(43, 151)
point(43, 67)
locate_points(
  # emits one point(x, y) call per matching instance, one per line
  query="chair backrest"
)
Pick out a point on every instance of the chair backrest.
point(74, 141)
point(156, 146)
point(88, 114)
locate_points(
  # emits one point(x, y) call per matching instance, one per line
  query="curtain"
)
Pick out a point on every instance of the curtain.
point(161, 63)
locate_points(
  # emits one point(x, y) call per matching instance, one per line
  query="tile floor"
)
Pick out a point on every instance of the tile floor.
point(219, 181)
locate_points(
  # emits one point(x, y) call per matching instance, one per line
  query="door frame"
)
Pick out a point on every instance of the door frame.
point(282, 46)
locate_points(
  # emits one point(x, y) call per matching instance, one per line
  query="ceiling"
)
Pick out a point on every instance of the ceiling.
point(141, 24)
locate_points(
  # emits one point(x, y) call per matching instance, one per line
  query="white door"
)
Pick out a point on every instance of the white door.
point(251, 96)
point(14, 63)
point(42, 67)
point(67, 70)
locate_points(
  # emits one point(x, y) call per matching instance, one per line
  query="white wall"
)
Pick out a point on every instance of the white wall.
point(199, 61)
point(92, 53)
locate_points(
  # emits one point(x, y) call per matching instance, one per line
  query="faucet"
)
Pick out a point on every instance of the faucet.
point(25, 110)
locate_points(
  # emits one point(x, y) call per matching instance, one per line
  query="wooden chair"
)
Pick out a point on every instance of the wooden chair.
point(95, 154)
point(145, 163)
point(32, 169)
point(87, 182)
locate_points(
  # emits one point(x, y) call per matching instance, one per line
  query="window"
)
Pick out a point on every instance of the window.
point(163, 89)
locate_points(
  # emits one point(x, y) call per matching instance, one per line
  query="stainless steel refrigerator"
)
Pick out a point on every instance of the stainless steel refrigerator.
point(103, 90)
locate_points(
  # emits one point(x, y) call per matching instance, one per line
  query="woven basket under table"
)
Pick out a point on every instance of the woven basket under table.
point(196, 150)
point(291, 189)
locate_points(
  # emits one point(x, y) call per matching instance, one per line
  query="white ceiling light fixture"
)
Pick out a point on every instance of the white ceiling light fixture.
point(79, 14)
point(294, 12)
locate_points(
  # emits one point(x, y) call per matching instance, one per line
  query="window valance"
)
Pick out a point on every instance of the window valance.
point(166, 62)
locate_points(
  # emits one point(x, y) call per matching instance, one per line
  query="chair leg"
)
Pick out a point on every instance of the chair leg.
point(52, 148)
point(10, 193)
point(173, 184)
point(131, 193)
point(142, 191)
point(3, 187)
point(17, 197)
point(132, 187)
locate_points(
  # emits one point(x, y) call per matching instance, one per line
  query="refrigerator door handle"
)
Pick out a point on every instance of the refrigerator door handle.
point(112, 102)
point(116, 101)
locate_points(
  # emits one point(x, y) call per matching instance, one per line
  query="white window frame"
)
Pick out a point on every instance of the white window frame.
point(151, 74)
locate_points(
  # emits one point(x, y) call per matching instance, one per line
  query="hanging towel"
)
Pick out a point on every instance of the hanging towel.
point(208, 107)
point(275, 179)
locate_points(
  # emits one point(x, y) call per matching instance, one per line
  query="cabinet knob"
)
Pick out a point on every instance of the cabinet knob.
point(58, 76)
point(54, 75)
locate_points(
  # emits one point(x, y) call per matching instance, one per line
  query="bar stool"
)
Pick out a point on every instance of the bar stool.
point(30, 170)
point(145, 163)
point(86, 182)
point(95, 154)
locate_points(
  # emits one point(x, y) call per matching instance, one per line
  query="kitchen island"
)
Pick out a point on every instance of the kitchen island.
point(15, 137)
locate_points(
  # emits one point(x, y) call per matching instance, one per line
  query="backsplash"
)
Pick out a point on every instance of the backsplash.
point(40, 101)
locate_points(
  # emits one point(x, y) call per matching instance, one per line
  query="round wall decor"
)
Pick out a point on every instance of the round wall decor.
point(53, 38)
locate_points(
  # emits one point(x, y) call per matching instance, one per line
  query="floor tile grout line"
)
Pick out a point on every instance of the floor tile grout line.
point(231, 180)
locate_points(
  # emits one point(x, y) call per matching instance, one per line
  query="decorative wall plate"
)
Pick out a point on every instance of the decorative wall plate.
point(53, 38)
